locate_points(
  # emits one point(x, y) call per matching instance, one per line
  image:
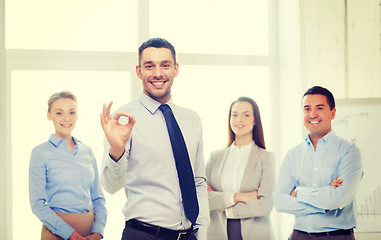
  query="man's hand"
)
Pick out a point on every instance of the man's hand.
point(76, 236)
point(293, 193)
point(94, 236)
point(245, 197)
point(116, 133)
point(337, 182)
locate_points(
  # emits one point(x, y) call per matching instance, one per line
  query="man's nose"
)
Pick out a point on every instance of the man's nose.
point(158, 72)
point(313, 113)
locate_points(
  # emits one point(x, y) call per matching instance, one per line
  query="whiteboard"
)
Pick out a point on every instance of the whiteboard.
point(359, 121)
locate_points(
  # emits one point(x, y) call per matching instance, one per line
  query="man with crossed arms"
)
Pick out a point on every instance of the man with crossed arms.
point(318, 178)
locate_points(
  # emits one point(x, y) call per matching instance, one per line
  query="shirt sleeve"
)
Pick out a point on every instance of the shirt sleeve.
point(99, 202)
point(330, 198)
point(220, 200)
point(264, 204)
point(217, 199)
point(114, 174)
point(283, 201)
point(38, 198)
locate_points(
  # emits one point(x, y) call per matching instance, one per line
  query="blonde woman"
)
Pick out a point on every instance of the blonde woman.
point(241, 179)
point(64, 188)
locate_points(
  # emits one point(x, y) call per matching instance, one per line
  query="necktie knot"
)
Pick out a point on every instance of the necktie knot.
point(164, 108)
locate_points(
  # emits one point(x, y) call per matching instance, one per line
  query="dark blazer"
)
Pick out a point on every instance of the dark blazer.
point(259, 175)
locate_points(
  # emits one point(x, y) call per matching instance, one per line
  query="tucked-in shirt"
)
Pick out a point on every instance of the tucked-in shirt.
point(319, 207)
point(64, 181)
point(147, 169)
point(234, 168)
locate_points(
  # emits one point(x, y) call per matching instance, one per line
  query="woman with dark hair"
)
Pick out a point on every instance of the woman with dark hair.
point(241, 179)
point(64, 188)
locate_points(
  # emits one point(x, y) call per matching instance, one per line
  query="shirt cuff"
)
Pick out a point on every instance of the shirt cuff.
point(97, 228)
point(229, 199)
point(229, 212)
point(117, 167)
point(297, 190)
point(229, 203)
point(67, 232)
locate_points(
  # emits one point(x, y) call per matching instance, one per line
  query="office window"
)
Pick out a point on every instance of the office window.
point(83, 25)
point(213, 27)
point(30, 127)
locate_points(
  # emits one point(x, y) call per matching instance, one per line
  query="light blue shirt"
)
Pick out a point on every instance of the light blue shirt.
point(62, 181)
point(147, 170)
point(318, 206)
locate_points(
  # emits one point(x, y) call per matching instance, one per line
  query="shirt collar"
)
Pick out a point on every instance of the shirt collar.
point(56, 141)
point(151, 104)
point(324, 140)
point(246, 148)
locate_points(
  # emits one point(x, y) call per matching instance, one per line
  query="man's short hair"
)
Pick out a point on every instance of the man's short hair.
point(317, 90)
point(157, 43)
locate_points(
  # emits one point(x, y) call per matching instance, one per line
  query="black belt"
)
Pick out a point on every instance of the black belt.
point(333, 233)
point(159, 231)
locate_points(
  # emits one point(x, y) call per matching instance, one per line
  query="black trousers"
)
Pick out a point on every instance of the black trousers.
point(133, 234)
point(130, 233)
point(297, 235)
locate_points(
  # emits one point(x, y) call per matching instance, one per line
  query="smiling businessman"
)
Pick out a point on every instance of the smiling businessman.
point(319, 178)
point(157, 157)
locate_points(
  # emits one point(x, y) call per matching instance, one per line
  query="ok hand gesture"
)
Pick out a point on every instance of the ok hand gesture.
point(116, 133)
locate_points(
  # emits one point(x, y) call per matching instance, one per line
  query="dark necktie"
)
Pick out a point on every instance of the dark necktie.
point(183, 165)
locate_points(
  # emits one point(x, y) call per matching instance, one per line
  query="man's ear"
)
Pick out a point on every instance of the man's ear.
point(333, 113)
point(139, 71)
point(176, 69)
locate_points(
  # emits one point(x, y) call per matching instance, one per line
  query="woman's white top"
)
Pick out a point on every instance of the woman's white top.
point(234, 168)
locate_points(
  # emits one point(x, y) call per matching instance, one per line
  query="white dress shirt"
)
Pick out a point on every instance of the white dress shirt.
point(147, 170)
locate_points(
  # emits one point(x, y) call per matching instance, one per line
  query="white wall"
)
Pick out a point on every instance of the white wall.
point(342, 46)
